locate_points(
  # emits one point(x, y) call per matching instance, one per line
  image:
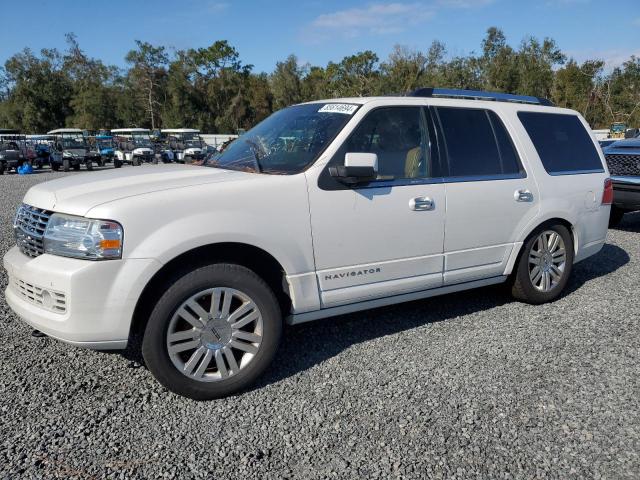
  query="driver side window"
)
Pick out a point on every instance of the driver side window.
point(398, 136)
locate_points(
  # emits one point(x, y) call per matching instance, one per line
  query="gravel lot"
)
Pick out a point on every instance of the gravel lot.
point(471, 385)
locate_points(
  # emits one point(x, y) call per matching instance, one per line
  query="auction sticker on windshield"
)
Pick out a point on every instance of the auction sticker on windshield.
point(345, 108)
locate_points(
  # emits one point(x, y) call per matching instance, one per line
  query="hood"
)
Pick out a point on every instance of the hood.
point(622, 146)
point(77, 194)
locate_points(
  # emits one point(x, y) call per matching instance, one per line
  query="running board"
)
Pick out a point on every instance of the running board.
point(383, 302)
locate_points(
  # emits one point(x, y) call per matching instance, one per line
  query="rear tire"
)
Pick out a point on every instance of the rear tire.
point(544, 265)
point(117, 163)
point(217, 367)
point(89, 165)
point(3, 167)
point(616, 216)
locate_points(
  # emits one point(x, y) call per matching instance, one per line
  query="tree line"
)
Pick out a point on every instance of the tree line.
point(213, 90)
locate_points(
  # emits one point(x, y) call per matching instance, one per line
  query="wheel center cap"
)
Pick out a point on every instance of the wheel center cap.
point(216, 333)
point(547, 261)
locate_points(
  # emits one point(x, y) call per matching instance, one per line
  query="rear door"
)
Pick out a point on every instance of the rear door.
point(490, 196)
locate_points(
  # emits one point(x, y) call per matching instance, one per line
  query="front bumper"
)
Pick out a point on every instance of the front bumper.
point(81, 302)
point(626, 192)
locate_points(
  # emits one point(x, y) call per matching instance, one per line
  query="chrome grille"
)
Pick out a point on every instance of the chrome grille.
point(621, 164)
point(48, 299)
point(29, 226)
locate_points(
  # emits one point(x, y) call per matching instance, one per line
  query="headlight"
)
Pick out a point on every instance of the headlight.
point(80, 237)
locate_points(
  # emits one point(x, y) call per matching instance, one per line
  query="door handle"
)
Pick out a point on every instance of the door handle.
point(421, 204)
point(523, 196)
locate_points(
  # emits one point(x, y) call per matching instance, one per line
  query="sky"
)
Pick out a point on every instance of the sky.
point(267, 31)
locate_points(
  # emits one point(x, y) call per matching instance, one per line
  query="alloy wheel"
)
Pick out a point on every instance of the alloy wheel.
point(214, 334)
point(547, 261)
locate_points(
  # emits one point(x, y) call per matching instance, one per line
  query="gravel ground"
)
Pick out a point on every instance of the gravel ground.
point(470, 385)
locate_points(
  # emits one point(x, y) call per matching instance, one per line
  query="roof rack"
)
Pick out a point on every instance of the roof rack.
point(479, 95)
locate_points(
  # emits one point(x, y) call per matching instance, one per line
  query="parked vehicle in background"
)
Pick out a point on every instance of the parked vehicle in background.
point(132, 145)
point(71, 150)
point(322, 209)
point(617, 130)
point(42, 145)
point(14, 150)
point(623, 159)
point(105, 147)
point(185, 144)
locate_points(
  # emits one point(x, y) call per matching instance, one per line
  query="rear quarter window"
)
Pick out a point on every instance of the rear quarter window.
point(562, 143)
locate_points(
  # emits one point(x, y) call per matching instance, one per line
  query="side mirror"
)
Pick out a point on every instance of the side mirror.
point(357, 168)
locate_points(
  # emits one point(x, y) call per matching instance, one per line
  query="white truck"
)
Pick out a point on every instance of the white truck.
point(322, 209)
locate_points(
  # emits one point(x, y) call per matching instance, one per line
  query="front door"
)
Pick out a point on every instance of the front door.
point(384, 238)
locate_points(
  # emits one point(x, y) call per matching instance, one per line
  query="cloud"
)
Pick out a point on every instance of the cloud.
point(379, 18)
point(464, 3)
point(215, 7)
point(613, 57)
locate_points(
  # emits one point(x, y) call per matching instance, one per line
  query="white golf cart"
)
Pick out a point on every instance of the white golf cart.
point(185, 144)
point(71, 150)
point(133, 145)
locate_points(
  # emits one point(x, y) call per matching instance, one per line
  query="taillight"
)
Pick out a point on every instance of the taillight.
point(607, 195)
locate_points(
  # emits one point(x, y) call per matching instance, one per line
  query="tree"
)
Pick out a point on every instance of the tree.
point(147, 77)
point(93, 99)
point(39, 91)
point(286, 83)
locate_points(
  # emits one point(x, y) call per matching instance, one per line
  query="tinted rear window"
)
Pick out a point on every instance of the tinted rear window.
point(563, 144)
point(477, 144)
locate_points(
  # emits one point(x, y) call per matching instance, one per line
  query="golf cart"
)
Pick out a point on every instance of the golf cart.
point(14, 150)
point(133, 145)
point(104, 148)
point(71, 150)
point(185, 144)
point(43, 146)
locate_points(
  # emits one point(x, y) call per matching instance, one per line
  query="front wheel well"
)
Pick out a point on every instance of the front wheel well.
point(249, 256)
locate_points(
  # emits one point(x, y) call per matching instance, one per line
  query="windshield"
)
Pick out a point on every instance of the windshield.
point(141, 139)
point(73, 140)
point(103, 143)
point(287, 141)
point(12, 141)
point(192, 139)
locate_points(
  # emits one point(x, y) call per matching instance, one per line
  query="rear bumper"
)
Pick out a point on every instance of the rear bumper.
point(626, 192)
point(84, 303)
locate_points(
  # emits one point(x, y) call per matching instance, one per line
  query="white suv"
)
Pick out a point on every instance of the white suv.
point(323, 208)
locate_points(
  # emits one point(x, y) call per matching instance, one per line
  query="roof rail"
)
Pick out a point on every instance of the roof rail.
point(479, 95)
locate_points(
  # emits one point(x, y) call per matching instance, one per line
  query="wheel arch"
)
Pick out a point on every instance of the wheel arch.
point(533, 228)
point(254, 258)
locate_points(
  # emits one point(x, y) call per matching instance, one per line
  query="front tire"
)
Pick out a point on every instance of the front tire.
point(544, 265)
point(213, 332)
point(136, 161)
point(66, 165)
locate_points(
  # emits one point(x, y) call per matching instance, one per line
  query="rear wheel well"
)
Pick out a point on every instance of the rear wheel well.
point(249, 256)
point(551, 221)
